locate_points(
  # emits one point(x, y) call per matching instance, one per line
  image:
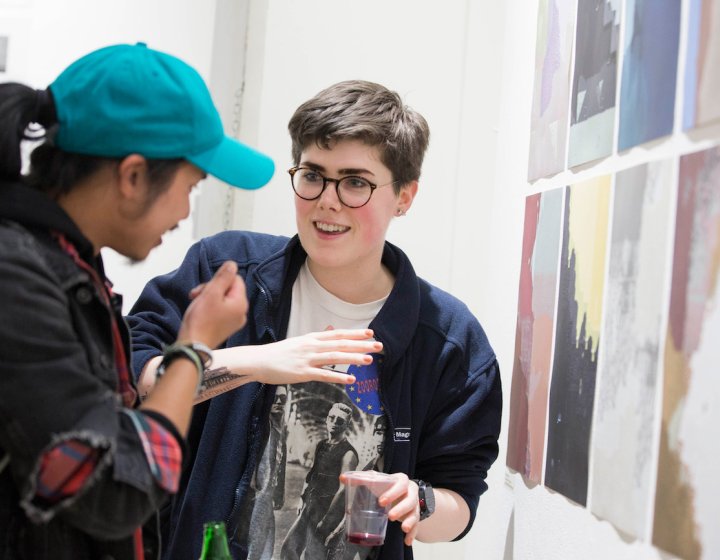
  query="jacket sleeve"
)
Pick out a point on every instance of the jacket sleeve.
point(49, 394)
point(460, 436)
point(156, 316)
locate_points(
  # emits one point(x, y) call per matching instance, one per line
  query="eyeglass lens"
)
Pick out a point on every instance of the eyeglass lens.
point(352, 191)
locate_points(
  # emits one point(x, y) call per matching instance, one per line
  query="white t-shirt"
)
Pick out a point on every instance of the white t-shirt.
point(300, 462)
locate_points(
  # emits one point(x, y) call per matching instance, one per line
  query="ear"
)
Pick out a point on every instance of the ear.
point(132, 178)
point(407, 195)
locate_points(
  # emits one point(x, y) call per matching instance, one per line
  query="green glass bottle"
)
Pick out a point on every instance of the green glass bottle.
point(215, 543)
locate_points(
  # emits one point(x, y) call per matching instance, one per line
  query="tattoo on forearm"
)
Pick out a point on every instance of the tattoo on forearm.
point(217, 381)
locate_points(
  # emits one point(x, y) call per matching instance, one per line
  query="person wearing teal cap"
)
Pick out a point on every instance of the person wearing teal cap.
point(128, 131)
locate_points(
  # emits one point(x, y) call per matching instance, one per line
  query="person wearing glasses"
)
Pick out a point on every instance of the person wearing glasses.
point(357, 151)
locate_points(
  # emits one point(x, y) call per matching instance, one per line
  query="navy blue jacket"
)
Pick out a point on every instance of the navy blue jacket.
point(439, 382)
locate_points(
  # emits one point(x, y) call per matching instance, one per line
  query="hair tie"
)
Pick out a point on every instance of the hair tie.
point(44, 112)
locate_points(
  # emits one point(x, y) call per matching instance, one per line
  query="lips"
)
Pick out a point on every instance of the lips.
point(328, 227)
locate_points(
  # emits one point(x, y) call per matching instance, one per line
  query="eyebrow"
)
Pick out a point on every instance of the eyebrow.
point(345, 171)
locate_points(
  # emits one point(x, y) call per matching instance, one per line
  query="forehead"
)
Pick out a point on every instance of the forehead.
point(188, 172)
point(344, 156)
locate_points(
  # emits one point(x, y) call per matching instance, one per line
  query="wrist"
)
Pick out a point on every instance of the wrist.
point(197, 353)
point(203, 351)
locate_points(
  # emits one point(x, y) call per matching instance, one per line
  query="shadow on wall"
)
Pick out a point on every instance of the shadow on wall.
point(510, 538)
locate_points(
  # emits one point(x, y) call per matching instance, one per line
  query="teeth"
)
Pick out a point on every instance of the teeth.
point(330, 228)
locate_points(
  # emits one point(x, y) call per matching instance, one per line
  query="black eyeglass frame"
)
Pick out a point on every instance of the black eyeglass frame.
point(327, 180)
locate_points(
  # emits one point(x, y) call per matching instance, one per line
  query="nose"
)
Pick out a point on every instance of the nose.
point(329, 197)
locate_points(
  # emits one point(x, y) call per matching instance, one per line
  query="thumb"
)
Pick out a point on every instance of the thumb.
point(224, 278)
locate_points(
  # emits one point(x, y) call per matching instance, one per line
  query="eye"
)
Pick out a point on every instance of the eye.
point(310, 176)
point(355, 183)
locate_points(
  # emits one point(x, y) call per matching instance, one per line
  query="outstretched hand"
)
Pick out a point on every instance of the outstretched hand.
point(303, 358)
point(218, 308)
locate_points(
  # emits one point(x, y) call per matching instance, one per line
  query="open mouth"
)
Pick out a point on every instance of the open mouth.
point(326, 227)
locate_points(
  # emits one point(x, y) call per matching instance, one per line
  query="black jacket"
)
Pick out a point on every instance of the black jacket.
point(58, 381)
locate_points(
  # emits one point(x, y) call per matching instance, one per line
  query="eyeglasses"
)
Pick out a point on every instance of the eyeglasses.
point(352, 191)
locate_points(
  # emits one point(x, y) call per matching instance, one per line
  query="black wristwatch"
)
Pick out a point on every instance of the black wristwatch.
point(426, 498)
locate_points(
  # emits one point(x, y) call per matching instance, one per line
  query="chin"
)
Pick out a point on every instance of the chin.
point(138, 256)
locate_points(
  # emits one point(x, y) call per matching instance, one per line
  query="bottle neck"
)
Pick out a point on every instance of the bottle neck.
point(215, 543)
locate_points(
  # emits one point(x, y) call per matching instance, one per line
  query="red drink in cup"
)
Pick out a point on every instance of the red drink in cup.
point(365, 519)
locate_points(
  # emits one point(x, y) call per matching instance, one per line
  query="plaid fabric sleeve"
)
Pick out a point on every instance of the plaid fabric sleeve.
point(162, 450)
point(64, 469)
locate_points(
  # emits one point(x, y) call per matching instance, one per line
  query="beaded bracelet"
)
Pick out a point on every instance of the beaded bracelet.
point(192, 351)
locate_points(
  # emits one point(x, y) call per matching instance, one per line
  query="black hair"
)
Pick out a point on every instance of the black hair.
point(29, 114)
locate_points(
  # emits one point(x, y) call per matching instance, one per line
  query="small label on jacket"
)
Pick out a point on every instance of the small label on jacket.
point(401, 434)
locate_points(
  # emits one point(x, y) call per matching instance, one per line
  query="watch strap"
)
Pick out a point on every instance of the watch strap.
point(426, 498)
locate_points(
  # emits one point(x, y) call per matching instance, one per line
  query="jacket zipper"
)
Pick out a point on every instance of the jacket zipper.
point(252, 448)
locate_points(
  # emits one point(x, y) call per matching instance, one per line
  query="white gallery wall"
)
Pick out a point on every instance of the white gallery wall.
point(468, 66)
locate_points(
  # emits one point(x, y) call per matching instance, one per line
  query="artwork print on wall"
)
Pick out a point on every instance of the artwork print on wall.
point(687, 508)
point(579, 310)
point(534, 332)
point(702, 66)
point(623, 455)
point(649, 71)
point(592, 115)
point(551, 94)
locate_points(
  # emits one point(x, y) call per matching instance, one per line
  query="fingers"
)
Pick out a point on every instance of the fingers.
point(336, 349)
point(335, 334)
point(349, 356)
point(224, 278)
point(403, 496)
point(218, 308)
point(410, 536)
point(329, 376)
point(196, 291)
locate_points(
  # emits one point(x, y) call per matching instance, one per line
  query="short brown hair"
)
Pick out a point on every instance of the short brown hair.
point(366, 111)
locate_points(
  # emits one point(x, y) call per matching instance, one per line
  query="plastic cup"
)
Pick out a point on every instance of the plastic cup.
point(365, 519)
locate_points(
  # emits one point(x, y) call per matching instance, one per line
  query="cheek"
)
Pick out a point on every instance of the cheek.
point(302, 208)
point(374, 224)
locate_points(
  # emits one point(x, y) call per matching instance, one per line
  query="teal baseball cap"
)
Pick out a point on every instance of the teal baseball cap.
point(130, 99)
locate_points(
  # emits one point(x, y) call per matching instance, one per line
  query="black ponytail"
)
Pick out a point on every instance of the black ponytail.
point(29, 114)
point(20, 106)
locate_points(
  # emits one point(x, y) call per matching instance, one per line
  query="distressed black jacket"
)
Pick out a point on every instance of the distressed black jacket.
point(58, 381)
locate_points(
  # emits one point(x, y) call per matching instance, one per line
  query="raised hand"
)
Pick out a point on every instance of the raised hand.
point(219, 308)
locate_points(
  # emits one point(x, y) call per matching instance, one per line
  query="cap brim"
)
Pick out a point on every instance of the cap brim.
point(236, 164)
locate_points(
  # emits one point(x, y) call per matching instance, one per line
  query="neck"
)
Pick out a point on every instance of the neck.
point(89, 207)
point(357, 285)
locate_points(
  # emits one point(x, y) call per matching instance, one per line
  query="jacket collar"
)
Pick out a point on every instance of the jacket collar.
point(35, 210)
point(274, 278)
point(394, 325)
point(397, 321)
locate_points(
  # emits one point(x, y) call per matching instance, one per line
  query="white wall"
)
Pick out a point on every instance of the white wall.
point(468, 67)
point(46, 35)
